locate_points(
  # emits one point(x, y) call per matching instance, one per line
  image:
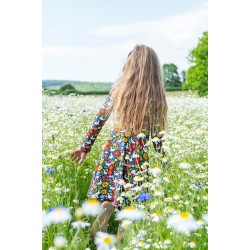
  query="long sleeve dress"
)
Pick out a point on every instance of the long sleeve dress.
point(119, 166)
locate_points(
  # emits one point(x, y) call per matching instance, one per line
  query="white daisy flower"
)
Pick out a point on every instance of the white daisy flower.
point(205, 218)
point(159, 192)
point(91, 207)
point(129, 213)
point(141, 136)
point(176, 196)
point(128, 185)
point(156, 139)
point(80, 224)
point(60, 241)
point(191, 244)
point(185, 165)
point(155, 171)
point(183, 222)
point(156, 217)
point(200, 222)
point(104, 241)
point(164, 159)
point(138, 178)
point(125, 223)
point(57, 215)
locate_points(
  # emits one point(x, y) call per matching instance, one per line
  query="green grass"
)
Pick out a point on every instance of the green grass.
point(186, 141)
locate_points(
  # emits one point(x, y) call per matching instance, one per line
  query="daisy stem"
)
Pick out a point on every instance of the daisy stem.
point(74, 238)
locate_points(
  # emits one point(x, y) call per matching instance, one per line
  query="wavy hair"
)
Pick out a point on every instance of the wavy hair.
point(139, 97)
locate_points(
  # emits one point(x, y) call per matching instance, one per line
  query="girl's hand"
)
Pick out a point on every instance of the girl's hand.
point(78, 156)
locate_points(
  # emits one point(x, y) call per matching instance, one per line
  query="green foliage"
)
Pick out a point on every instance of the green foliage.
point(183, 75)
point(171, 76)
point(197, 74)
point(67, 87)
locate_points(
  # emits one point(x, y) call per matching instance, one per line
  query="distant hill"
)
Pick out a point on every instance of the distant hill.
point(59, 83)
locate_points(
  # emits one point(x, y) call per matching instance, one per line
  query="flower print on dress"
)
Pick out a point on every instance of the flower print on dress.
point(124, 159)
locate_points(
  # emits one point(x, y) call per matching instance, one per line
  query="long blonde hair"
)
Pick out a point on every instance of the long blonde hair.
point(139, 94)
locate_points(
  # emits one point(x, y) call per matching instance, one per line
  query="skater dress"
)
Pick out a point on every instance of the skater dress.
point(119, 167)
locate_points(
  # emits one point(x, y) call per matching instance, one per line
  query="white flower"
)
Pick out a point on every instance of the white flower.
point(125, 223)
point(155, 171)
point(80, 224)
point(159, 192)
point(60, 241)
point(138, 178)
point(141, 135)
point(155, 139)
point(129, 213)
point(164, 159)
point(57, 215)
point(183, 222)
point(200, 222)
point(191, 244)
point(185, 165)
point(91, 207)
point(104, 241)
point(205, 218)
point(156, 217)
point(128, 185)
point(177, 197)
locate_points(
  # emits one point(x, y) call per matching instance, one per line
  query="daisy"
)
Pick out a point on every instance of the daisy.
point(155, 171)
point(129, 213)
point(200, 222)
point(125, 223)
point(104, 241)
point(159, 192)
point(57, 215)
point(205, 218)
point(164, 159)
point(80, 224)
point(156, 217)
point(60, 241)
point(141, 136)
point(177, 197)
point(91, 207)
point(183, 222)
point(185, 165)
point(138, 178)
point(191, 244)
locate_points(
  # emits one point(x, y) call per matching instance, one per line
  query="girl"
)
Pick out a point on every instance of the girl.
point(138, 106)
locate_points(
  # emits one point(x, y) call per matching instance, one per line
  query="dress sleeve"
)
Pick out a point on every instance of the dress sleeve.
point(100, 119)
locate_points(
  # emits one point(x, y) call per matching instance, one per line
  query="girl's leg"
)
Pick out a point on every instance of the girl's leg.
point(101, 222)
point(120, 234)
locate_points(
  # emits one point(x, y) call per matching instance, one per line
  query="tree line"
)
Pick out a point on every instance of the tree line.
point(196, 76)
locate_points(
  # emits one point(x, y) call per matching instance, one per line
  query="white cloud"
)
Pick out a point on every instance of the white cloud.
point(171, 37)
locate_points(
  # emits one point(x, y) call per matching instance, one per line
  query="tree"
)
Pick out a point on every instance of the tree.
point(183, 76)
point(171, 76)
point(197, 74)
point(67, 86)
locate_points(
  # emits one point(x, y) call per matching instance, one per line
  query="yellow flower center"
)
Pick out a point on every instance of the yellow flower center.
point(93, 201)
point(107, 240)
point(184, 215)
point(129, 208)
point(59, 210)
point(156, 167)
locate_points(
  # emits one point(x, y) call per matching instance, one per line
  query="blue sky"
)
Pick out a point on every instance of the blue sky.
point(89, 40)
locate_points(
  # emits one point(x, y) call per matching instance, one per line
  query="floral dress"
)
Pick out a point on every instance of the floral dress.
point(122, 161)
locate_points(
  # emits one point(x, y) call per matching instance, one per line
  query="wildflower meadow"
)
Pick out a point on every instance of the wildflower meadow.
point(170, 209)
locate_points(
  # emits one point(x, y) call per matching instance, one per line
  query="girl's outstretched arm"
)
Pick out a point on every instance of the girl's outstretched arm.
point(100, 119)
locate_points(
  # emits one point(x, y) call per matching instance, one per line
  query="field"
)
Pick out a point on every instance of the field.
point(175, 217)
